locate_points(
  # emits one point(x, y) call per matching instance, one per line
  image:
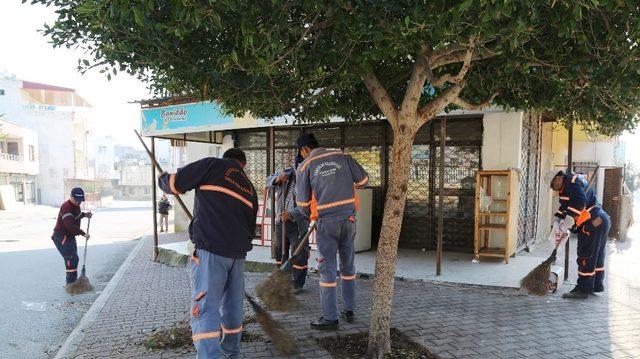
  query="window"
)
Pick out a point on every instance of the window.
point(1, 92)
point(132, 190)
point(12, 148)
point(32, 153)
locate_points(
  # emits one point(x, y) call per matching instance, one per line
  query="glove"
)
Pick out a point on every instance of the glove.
point(87, 236)
point(88, 214)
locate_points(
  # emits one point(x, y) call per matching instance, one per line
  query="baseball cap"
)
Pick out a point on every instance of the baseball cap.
point(307, 139)
point(78, 194)
point(558, 174)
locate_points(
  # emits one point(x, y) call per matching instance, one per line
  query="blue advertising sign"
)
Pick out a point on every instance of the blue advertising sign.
point(184, 118)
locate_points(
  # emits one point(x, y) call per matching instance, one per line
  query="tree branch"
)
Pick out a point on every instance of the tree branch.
point(473, 107)
point(459, 56)
point(381, 97)
point(415, 86)
point(439, 103)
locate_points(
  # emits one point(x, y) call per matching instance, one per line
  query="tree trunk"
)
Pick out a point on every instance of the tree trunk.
point(379, 335)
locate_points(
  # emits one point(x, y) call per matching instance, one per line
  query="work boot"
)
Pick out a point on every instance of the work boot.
point(297, 290)
point(575, 293)
point(349, 316)
point(598, 289)
point(324, 324)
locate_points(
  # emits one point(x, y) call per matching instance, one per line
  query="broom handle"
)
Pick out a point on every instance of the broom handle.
point(155, 163)
point(84, 257)
point(283, 231)
point(312, 225)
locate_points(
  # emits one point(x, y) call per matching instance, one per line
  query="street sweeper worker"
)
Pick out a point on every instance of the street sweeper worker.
point(222, 229)
point(67, 228)
point(326, 189)
point(580, 211)
point(293, 221)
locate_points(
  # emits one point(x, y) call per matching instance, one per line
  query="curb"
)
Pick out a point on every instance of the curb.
point(72, 341)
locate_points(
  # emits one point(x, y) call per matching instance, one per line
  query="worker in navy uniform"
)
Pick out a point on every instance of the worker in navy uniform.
point(222, 229)
point(293, 221)
point(67, 228)
point(580, 211)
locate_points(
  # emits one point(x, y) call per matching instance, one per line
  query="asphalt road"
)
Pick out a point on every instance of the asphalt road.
point(37, 314)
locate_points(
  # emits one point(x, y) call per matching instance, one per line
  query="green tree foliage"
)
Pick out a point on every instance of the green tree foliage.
point(405, 61)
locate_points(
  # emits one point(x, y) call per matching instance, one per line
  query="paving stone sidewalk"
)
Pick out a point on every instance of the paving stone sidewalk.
point(451, 320)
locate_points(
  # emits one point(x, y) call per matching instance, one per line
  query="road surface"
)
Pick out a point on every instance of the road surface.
point(32, 273)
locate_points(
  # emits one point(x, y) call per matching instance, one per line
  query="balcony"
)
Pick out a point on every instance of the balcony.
point(17, 164)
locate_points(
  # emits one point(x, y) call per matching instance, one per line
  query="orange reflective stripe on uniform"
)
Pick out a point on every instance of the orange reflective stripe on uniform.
point(71, 270)
point(600, 269)
point(573, 179)
point(231, 331)
point(205, 335)
point(589, 274)
point(228, 192)
point(314, 208)
point(172, 184)
point(585, 231)
point(574, 210)
point(303, 204)
point(328, 284)
point(295, 266)
point(347, 277)
point(199, 295)
point(311, 159)
point(336, 203)
point(564, 198)
point(278, 262)
point(365, 180)
point(64, 240)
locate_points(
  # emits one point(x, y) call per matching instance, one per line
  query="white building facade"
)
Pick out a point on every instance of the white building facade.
point(58, 116)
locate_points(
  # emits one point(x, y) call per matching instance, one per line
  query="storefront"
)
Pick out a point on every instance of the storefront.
point(271, 146)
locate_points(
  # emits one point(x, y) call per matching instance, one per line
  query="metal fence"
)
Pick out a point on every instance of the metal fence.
point(369, 143)
point(529, 180)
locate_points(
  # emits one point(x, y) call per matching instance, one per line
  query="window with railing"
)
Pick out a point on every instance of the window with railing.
point(32, 153)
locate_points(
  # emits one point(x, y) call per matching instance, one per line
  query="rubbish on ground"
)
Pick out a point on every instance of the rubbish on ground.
point(35, 306)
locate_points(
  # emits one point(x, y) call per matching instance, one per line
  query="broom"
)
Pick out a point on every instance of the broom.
point(277, 290)
point(82, 284)
point(536, 282)
point(281, 339)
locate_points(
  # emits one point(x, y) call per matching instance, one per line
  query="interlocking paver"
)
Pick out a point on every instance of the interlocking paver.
point(452, 320)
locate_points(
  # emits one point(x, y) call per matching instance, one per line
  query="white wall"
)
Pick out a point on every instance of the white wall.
point(602, 152)
point(102, 153)
point(502, 140)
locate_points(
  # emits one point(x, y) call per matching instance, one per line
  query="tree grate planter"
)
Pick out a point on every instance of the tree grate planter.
point(354, 346)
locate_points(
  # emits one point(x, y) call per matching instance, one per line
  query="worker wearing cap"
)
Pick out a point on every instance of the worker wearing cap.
point(222, 229)
point(580, 211)
point(67, 228)
point(326, 188)
point(293, 221)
